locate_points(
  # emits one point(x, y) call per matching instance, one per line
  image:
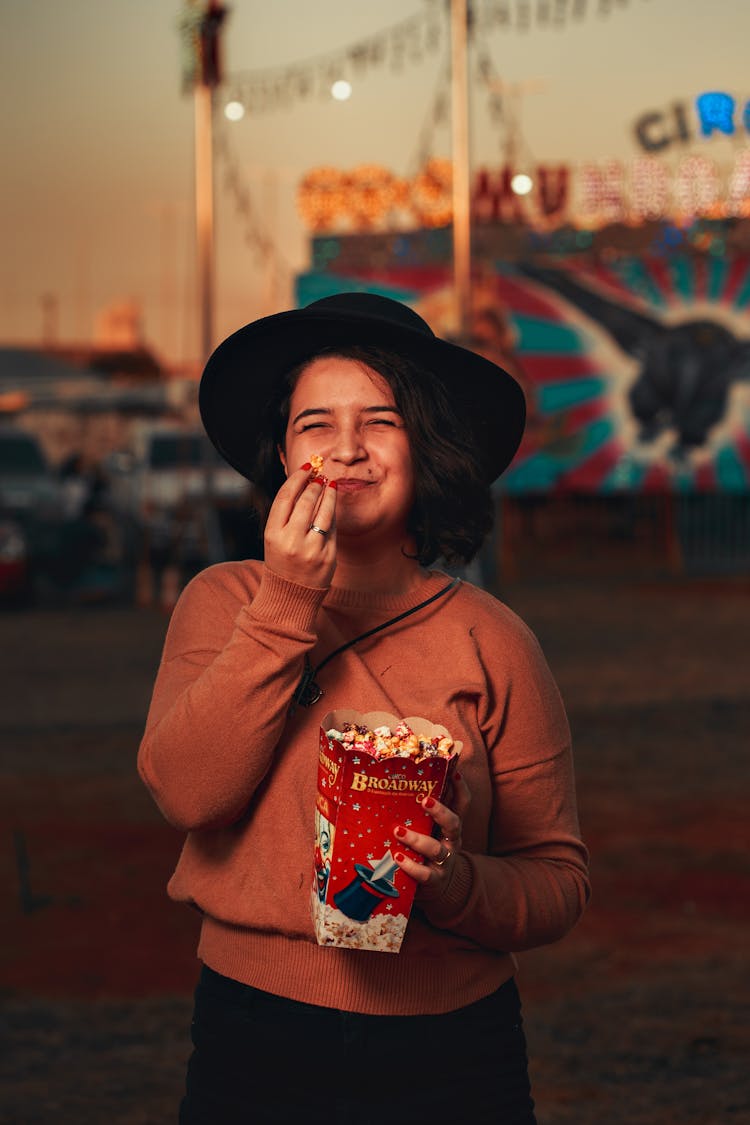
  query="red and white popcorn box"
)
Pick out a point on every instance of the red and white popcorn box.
point(361, 899)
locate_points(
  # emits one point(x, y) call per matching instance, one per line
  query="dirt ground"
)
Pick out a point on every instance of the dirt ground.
point(640, 1016)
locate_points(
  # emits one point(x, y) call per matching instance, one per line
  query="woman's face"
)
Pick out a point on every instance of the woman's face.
point(345, 411)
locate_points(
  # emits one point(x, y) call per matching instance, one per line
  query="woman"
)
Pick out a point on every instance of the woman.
point(412, 430)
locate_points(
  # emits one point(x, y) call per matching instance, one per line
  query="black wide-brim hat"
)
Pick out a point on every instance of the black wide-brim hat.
point(244, 372)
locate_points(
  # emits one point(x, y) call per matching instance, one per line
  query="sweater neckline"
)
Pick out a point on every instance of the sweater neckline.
point(340, 598)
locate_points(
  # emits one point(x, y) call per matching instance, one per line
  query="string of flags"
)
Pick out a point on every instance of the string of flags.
point(405, 44)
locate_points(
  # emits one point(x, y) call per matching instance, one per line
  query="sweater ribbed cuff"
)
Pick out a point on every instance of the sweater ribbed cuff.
point(278, 599)
point(442, 906)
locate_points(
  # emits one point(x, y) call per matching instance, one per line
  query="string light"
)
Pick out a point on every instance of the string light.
point(341, 90)
point(234, 110)
point(328, 75)
point(255, 230)
point(406, 43)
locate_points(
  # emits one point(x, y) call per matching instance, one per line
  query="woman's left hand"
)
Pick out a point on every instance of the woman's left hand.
point(439, 853)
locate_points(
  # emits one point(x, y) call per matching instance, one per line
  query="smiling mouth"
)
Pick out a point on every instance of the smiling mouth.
point(352, 484)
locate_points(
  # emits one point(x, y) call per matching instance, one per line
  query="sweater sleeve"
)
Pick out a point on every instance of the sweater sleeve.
point(230, 665)
point(532, 885)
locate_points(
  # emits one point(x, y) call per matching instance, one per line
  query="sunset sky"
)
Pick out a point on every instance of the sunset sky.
point(97, 137)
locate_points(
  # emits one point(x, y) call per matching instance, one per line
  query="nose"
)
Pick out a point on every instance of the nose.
point(348, 447)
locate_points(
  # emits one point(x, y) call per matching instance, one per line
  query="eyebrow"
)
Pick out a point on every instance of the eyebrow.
point(326, 410)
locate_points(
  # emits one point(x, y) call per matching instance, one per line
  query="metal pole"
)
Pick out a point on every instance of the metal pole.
point(461, 163)
point(204, 214)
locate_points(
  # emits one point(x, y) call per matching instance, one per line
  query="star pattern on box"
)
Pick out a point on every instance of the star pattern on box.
point(364, 803)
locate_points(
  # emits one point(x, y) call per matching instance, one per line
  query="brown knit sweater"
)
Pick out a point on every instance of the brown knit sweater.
point(227, 764)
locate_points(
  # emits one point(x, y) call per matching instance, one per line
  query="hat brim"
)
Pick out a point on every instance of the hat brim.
point(242, 373)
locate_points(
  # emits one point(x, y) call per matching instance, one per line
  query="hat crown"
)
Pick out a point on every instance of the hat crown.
point(372, 305)
point(244, 374)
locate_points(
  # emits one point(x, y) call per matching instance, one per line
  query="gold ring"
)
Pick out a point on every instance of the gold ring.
point(440, 862)
point(320, 531)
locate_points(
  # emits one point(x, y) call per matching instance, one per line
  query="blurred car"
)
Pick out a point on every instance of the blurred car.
point(177, 496)
point(29, 488)
point(166, 466)
point(31, 516)
point(15, 563)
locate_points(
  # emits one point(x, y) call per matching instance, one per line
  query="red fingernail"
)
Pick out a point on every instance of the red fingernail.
point(428, 802)
point(400, 830)
point(319, 480)
point(399, 857)
point(332, 484)
point(306, 466)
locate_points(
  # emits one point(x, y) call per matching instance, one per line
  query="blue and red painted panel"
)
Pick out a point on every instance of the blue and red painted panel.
point(636, 372)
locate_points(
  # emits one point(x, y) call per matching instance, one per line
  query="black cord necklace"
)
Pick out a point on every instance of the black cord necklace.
point(309, 692)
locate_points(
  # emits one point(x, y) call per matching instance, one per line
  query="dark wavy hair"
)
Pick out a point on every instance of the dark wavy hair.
point(453, 510)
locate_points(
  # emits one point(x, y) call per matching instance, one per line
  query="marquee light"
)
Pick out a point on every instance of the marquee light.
point(522, 184)
point(370, 197)
point(697, 187)
point(649, 191)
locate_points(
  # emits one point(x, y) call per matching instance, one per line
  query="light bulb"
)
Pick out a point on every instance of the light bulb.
point(521, 184)
point(341, 90)
point(234, 111)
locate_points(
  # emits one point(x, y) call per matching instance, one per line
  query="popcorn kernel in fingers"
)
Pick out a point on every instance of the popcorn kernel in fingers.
point(316, 465)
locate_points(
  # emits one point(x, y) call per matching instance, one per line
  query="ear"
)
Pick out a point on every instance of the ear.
point(282, 458)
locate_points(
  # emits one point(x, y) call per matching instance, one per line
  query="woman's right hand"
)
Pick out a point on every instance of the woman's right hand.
point(292, 548)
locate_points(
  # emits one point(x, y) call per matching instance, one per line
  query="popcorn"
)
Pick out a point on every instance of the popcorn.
point(316, 465)
point(374, 771)
point(401, 742)
point(382, 933)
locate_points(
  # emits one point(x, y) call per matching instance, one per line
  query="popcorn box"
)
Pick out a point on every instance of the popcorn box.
point(360, 897)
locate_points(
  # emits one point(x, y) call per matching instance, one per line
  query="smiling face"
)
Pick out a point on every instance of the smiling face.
point(345, 411)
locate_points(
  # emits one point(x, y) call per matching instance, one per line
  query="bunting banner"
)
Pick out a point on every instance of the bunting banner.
point(403, 45)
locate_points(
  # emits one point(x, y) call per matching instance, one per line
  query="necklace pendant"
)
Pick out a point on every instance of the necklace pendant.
point(311, 693)
point(308, 692)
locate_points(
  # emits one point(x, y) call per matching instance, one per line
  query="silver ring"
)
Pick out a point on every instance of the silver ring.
point(320, 531)
point(446, 857)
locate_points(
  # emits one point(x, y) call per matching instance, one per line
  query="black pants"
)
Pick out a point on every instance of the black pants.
point(260, 1059)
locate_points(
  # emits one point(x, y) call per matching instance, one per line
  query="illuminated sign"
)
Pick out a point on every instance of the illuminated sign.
point(716, 113)
point(370, 197)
